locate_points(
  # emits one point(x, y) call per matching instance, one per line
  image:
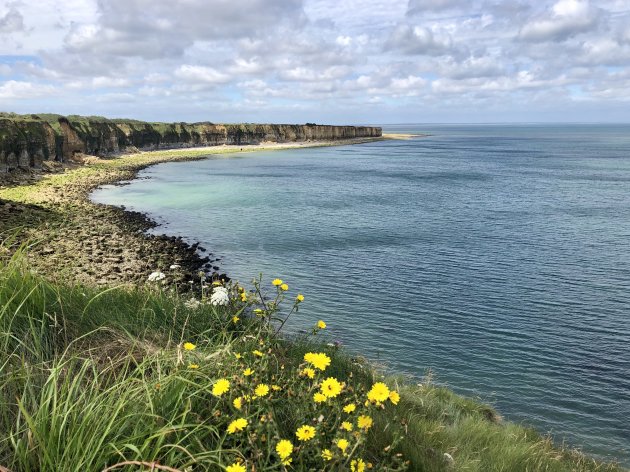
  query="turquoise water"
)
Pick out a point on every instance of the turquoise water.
point(496, 256)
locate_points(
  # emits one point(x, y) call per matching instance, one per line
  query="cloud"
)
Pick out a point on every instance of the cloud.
point(563, 20)
point(201, 75)
point(19, 90)
point(423, 6)
point(418, 40)
point(12, 21)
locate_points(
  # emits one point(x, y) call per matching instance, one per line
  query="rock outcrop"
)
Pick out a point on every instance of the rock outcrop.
point(28, 140)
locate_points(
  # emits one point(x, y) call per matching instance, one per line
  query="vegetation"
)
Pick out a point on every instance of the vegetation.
point(146, 378)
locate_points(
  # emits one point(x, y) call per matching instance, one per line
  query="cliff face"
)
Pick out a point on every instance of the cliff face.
point(26, 141)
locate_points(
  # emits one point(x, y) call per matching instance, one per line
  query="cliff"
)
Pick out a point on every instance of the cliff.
point(28, 140)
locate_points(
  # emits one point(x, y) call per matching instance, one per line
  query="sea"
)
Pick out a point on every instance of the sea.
point(494, 259)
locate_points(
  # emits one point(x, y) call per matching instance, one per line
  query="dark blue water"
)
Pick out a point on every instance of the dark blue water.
point(496, 256)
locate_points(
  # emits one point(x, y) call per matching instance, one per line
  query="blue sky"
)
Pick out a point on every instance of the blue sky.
point(325, 61)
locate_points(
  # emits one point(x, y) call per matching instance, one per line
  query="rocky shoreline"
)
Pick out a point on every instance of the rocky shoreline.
point(73, 239)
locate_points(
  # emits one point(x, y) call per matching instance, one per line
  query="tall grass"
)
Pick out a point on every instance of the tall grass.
point(96, 380)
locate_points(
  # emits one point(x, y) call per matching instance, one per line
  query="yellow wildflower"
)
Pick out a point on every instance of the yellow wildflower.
point(220, 387)
point(236, 467)
point(276, 282)
point(342, 444)
point(299, 298)
point(193, 366)
point(261, 390)
point(357, 465)
point(237, 425)
point(349, 408)
point(321, 324)
point(235, 319)
point(308, 372)
point(284, 287)
point(379, 393)
point(364, 422)
point(330, 387)
point(287, 461)
point(319, 397)
point(318, 360)
point(243, 296)
point(259, 312)
point(284, 448)
point(276, 388)
point(347, 426)
point(238, 355)
point(327, 454)
point(305, 433)
point(238, 403)
point(394, 397)
point(247, 372)
point(189, 346)
point(257, 353)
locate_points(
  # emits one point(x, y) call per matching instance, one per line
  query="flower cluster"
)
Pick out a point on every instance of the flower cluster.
point(330, 416)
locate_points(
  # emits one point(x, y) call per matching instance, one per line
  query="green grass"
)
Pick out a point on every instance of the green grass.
point(91, 379)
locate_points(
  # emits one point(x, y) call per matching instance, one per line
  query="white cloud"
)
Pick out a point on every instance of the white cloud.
point(565, 19)
point(201, 74)
point(19, 90)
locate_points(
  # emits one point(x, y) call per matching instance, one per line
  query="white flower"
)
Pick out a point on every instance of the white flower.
point(156, 276)
point(175, 266)
point(219, 296)
point(192, 304)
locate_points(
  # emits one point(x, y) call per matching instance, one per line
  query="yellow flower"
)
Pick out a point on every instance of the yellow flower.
point(236, 467)
point(243, 297)
point(321, 324)
point(308, 372)
point(238, 403)
point(220, 387)
point(193, 366)
point(379, 393)
point(330, 387)
point(364, 422)
point(277, 282)
point(394, 397)
point(318, 360)
point(238, 355)
point(259, 312)
point(261, 390)
point(237, 425)
point(276, 388)
point(299, 298)
point(287, 461)
point(342, 444)
point(346, 425)
point(284, 287)
point(319, 397)
point(235, 319)
point(257, 353)
point(305, 433)
point(327, 455)
point(284, 448)
point(357, 465)
point(216, 283)
point(247, 372)
point(349, 408)
point(189, 346)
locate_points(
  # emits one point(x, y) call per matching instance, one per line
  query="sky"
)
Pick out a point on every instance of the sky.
point(323, 61)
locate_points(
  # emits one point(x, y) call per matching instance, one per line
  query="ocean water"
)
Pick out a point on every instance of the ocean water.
point(498, 257)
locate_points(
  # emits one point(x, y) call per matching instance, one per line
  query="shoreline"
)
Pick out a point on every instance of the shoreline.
point(75, 239)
